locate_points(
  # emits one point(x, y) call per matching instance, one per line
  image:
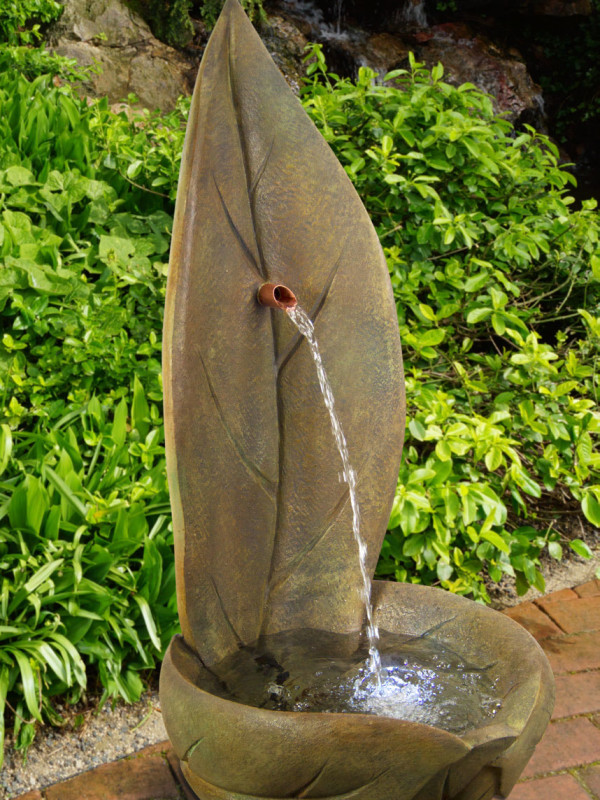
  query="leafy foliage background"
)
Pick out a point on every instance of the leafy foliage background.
point(496, 280)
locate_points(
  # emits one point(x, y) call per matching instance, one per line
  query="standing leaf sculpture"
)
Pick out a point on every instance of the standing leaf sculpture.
point(263, 524)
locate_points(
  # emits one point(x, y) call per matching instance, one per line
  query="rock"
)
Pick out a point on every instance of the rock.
point(384, 52)
point(470, 57)
point(467, 56)
point(286, 42)
point(131, 59)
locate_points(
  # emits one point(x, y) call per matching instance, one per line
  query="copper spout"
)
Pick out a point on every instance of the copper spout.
point(275, 295)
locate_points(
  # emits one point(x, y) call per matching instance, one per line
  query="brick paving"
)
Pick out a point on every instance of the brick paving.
point(565, 765)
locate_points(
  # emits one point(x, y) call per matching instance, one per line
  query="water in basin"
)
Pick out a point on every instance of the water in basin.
point(421, 680)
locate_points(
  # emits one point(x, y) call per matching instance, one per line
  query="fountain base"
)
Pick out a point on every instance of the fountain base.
point(231, 751)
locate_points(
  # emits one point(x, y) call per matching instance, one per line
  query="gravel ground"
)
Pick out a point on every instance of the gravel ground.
point(104, 735)
point(558, 575)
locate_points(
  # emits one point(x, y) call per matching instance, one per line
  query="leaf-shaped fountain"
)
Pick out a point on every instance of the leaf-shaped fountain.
point(266, 554)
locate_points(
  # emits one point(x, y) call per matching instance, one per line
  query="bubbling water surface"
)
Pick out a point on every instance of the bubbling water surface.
point(421, 679)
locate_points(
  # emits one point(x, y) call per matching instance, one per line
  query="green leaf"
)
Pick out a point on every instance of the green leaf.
point(494, 458)
point(443, 451)
point(6, 445)
point(524, 481)
point(555, 550)
point(4, 684)
point(444, 571)
point(19, 176)
point(29, 682)
point(37, 503)
point(417, 429)
point(140, 411)
point(413, 545)
point(494, 538)
point(581, 548)
point(477, 282)
point(42, 575)
point(591, 508)
point(478, 315)
point(119, 428)
point(431, 338)
point(149, 620)
point(64, 490)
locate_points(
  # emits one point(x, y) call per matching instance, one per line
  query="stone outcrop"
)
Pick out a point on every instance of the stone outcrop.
point(285, 42)
point(110, 35)
point(130, 60)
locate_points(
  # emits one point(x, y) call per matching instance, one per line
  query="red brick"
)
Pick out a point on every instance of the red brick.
point(573, 616)
point(33, 795)
point(145, 778)
point(589, 589)
point(591, 778)
point(574, 652)
point(558, 787)
point(566, 743)
point(534, 620)
point(557, 597)
point(577, 694)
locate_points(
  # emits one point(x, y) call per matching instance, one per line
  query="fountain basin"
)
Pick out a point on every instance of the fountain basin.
point(230, 751)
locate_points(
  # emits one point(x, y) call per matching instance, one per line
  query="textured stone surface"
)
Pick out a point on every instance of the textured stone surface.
point(267, 201)
point(131, 59)
point(560, 8)
point(557, 597)
point(469, 56)
point(348, 744)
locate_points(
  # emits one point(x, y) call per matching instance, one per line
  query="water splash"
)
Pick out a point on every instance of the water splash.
point(322, 30)
point(304, 324)
point(413, 14)
point(338, 10)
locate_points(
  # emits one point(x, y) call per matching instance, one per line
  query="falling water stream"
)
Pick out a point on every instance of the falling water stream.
point(302, 321)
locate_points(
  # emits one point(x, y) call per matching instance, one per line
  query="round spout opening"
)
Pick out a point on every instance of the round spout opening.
point(276, 295)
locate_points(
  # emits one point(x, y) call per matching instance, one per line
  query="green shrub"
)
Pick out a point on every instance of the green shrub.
point(496, 282)
point(86, 552)
point(20, 19)
point(85, 537)
point(169, 19)
point(34, 61)
point(496, 279)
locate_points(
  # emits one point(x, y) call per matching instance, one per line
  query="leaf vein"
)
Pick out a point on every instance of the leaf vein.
point(266, 484)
